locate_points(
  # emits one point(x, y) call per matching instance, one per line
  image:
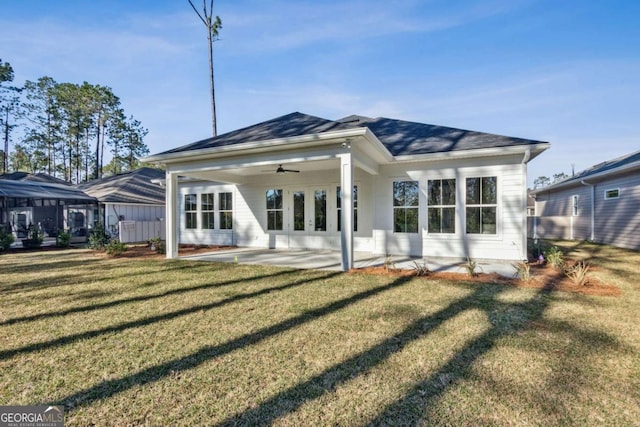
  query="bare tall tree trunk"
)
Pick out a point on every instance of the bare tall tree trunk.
point(213, 91)
point(212, 25)
point(5, 160)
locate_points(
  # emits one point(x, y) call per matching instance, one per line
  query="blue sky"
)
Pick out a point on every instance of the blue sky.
point(566, 72)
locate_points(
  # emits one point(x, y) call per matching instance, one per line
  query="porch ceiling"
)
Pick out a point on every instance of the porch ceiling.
point(237, 174)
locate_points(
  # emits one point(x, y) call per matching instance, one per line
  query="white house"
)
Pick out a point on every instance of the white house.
point(378, 185)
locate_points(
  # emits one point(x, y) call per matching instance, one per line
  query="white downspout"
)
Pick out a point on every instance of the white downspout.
point(523, 248)
point(593, 209)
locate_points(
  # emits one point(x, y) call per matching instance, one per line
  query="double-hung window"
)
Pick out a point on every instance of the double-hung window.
point(274, 209)
point(355, 207)
point(405, 206)
point(441, 206)
point(225, 206)
point(482, 205)
point(191, 210)
point(206, 211)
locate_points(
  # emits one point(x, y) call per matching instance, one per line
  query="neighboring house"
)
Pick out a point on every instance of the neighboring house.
point(49, 207)
point(129, 197)
point(601, 204)
point(378, 185)
point(34, 177)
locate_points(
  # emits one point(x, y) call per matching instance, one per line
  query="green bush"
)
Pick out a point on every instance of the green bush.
point(6, 239)
point(115, 247)
point(98, 238)
point(554, 256)
point(63, 239)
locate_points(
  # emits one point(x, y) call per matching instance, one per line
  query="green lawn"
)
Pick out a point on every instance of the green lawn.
point(158, 342)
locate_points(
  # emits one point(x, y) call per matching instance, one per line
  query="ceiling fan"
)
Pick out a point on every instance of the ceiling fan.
point(283, 170)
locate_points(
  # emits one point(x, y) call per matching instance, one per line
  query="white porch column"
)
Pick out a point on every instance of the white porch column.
point(171, 200)
point(346, 192)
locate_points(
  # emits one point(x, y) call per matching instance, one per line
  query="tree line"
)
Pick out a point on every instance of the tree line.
point(63, 129)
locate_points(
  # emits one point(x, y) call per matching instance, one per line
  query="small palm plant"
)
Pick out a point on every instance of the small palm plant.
point(578, 273)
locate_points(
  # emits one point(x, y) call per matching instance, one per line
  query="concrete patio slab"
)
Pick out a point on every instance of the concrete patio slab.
point(331, 260)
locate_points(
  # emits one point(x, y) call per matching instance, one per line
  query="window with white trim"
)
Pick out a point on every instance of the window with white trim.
point(441, 206)
point(320, 210)
point(355, 207)
point(574, 204)
point(207, 214)
point(405, 206)
point(225, 206)
point(613, 193)
point(191, 210)
point(482, 205)
point(274, 209)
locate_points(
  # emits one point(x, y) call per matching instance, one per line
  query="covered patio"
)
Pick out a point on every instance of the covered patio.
point(332, 260)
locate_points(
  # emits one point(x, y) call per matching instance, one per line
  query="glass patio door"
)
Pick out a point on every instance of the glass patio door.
point(308, 211)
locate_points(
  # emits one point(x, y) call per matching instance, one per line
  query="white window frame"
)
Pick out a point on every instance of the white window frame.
point(209, 212)
point(275, 210)
point(440, 207)
point(575, 203)
point(607, 197)
point(405, 208)
point(482, 205)
point(189, 212)
point(224, 212)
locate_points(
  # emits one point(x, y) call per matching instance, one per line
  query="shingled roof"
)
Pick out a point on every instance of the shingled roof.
point(401, 138)
point(130, 187)
point(631, 160)
point(33, 177)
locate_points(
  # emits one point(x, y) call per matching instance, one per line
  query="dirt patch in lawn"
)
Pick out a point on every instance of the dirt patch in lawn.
point(543, 277)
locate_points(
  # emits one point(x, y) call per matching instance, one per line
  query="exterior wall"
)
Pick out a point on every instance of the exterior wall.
point(375, 211)
point(555, 212)
point(616, 221)
point(506, 244)
point(132, 212)
point(116, 212)
point(250, 216)
point(140, 231)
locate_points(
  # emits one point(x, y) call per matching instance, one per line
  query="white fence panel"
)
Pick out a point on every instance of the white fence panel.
point(140, 231)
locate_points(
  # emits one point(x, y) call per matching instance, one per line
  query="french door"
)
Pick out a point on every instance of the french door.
point(308, 216)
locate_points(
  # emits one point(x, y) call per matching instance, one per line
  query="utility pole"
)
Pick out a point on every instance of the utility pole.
point(213, 26)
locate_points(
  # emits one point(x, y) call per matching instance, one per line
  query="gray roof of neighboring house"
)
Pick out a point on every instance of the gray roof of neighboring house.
point(41, 190)
point(130, 187)
point(34, 177)
point(399, 137)
point(604, 168)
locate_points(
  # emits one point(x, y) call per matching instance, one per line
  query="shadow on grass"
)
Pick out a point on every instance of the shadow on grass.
point(155, 373)
point(5, 354)
point(410, 409)
point(109, 304)
point(87, 273)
